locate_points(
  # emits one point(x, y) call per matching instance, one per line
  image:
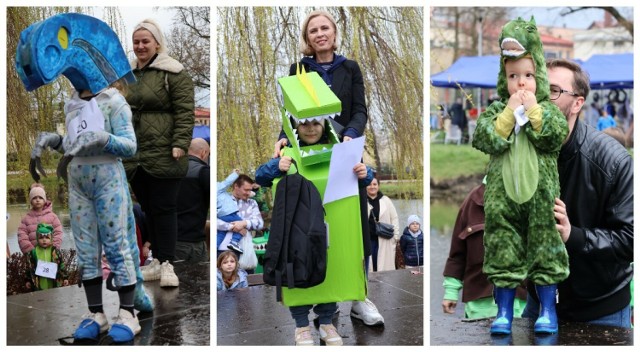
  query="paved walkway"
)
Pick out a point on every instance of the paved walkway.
point(253, 317)
point(181, 317)
point(451, 331)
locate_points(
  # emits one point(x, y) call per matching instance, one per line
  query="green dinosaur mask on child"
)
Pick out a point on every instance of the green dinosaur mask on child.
point(520, 38)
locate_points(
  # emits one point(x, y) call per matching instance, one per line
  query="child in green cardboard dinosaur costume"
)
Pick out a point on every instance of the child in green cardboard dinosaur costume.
point(307, 105)
point(523, 133)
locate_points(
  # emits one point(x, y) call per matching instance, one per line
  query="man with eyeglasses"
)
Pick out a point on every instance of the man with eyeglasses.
point(594, 212)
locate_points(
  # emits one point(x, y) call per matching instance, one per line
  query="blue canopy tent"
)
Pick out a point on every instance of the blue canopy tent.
point(469, 72)
point(609, 71)
point(203, 132)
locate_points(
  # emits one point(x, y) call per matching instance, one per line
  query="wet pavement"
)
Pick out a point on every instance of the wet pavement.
point(181, 315)
point(252, 316)
point(451, 331)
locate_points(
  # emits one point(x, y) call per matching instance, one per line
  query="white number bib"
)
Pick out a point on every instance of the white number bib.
point(90, 118)
point(47, 269)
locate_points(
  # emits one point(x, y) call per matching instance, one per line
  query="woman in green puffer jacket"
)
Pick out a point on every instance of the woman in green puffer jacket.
point(162, 103)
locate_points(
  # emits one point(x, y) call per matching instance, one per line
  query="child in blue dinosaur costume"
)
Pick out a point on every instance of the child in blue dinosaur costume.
point(99, 134)
point(523, 134)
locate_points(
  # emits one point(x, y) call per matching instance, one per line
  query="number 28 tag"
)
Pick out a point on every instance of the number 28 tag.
point(47, 269)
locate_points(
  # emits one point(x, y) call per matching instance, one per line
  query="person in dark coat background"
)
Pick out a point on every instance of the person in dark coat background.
point(458, 115)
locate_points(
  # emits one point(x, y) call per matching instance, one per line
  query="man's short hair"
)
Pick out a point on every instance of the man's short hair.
point(580, 77)
point(242, 178)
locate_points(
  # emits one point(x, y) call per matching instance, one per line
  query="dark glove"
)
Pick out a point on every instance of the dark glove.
point(85, 142)
point(61, 171)
point(45, 140)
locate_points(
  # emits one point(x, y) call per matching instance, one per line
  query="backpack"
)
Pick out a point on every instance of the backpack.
point(296, 254)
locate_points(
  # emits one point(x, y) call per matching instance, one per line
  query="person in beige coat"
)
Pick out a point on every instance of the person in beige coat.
point(381, 208)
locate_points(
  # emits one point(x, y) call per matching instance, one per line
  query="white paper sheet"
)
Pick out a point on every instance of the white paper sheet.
point(342, 182)
point(46, 269)
point(89, 119)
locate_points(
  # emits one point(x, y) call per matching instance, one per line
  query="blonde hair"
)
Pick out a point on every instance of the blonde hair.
point(153, 28)
point(121, 85)
point(305, 48)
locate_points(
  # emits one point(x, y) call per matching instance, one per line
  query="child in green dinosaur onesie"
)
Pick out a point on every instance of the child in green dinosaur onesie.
point(45, 267)
point(523, 134)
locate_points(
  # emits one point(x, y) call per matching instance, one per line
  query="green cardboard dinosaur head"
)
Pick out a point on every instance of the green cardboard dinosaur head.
point(518, 39)
point(306, 97)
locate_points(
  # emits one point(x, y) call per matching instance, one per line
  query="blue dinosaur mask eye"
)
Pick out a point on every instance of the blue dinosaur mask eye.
point(82, 48)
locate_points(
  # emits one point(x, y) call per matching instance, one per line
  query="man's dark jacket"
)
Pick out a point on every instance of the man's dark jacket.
point(193, 201)
point(596, 184)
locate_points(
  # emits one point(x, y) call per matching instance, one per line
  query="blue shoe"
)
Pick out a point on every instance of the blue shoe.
point(504, 299)
point(141, 300)
point(547, 322)
point(125, 328)
point(92, 325)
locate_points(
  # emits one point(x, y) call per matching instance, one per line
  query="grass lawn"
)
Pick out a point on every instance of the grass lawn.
point(449, 161)
point(406, 189)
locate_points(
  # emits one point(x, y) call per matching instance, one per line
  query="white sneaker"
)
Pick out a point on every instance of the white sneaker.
point(329, 335)
point(167, 277)
point(367, 312)
point(152, 271)
point(125, 327)
point(303, 336)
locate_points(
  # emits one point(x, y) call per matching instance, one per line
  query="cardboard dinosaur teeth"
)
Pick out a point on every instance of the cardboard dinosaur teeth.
point(318, 118)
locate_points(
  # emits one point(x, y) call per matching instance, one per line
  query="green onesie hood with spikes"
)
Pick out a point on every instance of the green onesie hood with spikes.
point(520, 38)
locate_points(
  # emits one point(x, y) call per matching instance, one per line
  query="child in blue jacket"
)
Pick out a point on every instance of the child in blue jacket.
point(411, 243)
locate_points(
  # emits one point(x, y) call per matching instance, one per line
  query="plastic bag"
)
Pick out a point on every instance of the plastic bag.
point(248, 259)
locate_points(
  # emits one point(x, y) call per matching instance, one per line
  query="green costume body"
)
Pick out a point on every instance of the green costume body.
point(345, 278)
point(52, 255)
point(521, 239)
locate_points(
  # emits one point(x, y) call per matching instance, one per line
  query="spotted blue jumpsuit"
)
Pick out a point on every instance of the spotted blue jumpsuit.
point(99, 201)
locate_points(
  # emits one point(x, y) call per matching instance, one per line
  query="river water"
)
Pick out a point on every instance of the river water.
point(16, 212)
point(440, 241)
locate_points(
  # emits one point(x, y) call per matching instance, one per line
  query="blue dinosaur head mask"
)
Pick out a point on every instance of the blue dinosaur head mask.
point(80, 47)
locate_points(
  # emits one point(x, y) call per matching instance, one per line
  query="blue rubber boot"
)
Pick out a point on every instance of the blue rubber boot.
point(504, 299)
point(547, 322)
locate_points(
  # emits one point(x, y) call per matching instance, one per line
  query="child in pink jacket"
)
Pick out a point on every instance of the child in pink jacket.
point(41, 212)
